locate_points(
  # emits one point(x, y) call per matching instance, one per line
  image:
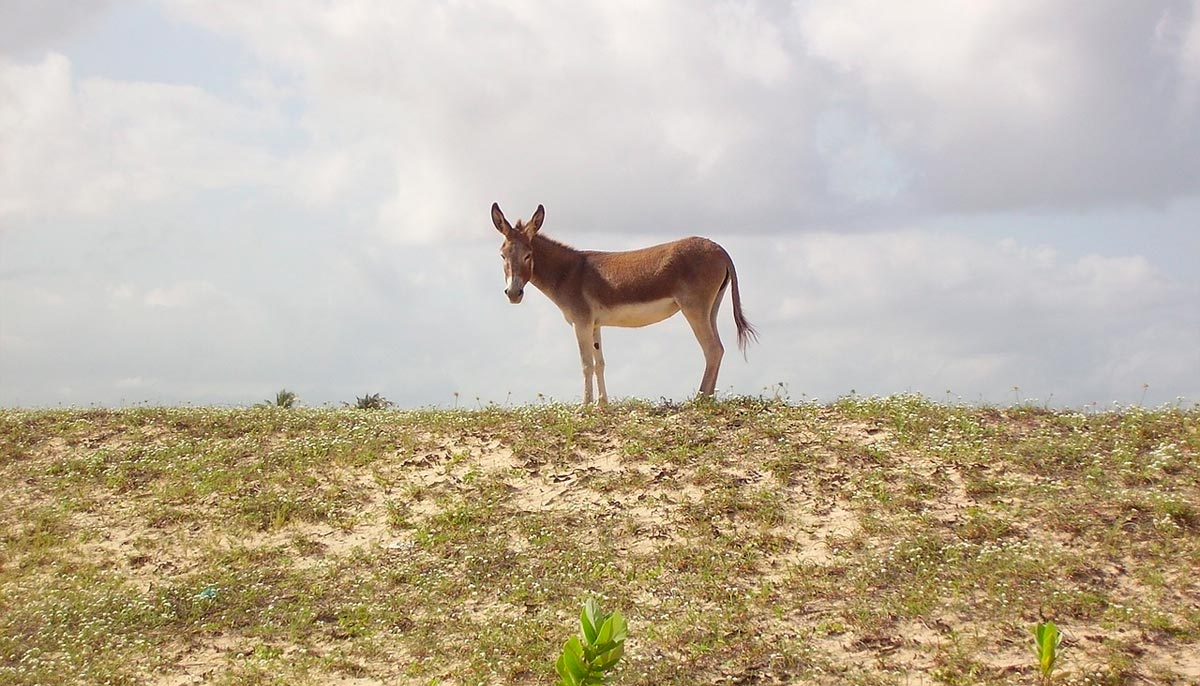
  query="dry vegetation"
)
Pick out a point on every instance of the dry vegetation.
point(869, 541)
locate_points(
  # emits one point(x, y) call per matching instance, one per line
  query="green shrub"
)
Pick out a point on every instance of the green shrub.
point(588, 661)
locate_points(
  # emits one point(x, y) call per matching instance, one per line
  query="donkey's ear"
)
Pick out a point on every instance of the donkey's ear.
point(498, 219)
point(535, 222)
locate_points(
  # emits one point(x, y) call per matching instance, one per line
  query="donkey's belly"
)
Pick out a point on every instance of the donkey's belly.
point(637, 314)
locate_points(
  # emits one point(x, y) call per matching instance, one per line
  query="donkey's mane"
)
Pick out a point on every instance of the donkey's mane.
point(541, 237)
point(551, 241)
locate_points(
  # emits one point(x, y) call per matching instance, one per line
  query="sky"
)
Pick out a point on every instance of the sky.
point(204, 202)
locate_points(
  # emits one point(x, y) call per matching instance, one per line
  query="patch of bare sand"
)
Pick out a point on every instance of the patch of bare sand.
point(1154, 660)
point(1183, 661)
point(459, 454)
point(859, 433)
point(23, 495)
point(645, 517)
point(541, 490)
point(199, 663)
point(147, 556)
point(814, 531)
point(150, 555)
point(439, 469)
point(370, 527)
point(217, 656)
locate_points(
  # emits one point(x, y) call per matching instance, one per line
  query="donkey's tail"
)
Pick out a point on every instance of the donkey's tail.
point(745, 331)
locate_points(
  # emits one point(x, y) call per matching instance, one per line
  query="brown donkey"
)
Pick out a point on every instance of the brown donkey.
point(629, 288)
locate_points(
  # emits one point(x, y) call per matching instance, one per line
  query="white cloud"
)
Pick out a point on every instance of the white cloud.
point(30, 25)
point(422, 208)
point(1178, 35)
point(1019, 104)
point(931, 311)
point(736, 115)
point(95, 145)
point(184, 294)
point(752, 44)
point(739, 110)
point(592, 106)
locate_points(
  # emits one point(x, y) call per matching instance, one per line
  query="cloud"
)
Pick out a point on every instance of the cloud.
point(31, 24)
point(743, 115)
point(182, 294)
point(98, 145)
point(1178, 37)
point(1021, 104)
point(932, 311)
point(732, 116)
point(595, 107)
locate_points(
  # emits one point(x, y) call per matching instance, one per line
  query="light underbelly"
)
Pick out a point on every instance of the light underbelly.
point(637, 314)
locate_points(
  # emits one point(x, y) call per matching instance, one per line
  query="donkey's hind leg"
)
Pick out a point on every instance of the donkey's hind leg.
point(703, 326)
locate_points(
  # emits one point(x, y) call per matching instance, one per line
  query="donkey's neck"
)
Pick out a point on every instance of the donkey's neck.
point(552, 263)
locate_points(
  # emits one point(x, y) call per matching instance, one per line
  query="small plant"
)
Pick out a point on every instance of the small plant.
point(284, 398)
point(588, 661)
point(1046, 640)
point(374, 401)
point(777, 393)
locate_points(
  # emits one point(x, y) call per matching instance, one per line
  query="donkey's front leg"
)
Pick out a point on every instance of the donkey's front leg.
point(598, 356)
point(583, 334)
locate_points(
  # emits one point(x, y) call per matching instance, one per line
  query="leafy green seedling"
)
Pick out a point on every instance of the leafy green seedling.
point(587, 662)
point(1046, 640)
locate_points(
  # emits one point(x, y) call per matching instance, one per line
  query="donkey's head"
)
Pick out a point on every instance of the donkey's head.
point(517, 250)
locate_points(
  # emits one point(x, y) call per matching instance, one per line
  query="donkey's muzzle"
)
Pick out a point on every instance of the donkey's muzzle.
point(514, 297)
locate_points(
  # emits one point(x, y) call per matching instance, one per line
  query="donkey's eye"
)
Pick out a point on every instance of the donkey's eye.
point(529, 258)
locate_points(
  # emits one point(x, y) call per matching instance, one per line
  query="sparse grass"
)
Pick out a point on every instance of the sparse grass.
point(868, 541)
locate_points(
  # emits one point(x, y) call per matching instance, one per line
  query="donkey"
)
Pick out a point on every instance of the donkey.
point(629, 288)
